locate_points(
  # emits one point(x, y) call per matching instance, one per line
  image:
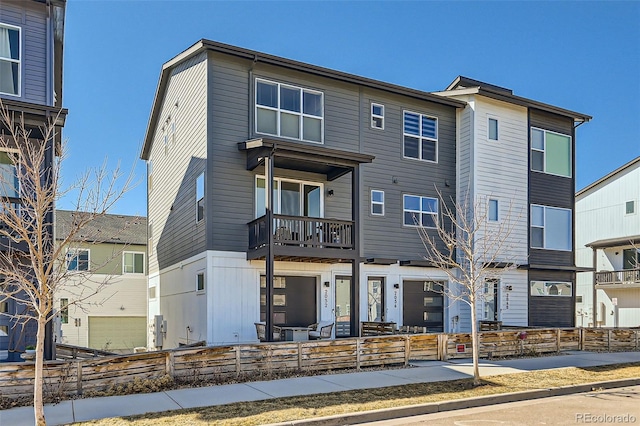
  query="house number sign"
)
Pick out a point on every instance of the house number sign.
point(326, 298)
point(395, 298)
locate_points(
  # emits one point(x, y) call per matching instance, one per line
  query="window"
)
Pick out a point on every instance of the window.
point(493, 129)
point(4, 307)
point(64, 311)
point(630, 259)
point(4, 331)
point(10, 60)
point(551, 288)
point(420, 137)
point(493, 210)
point(9, 184)
point(551, 228)
point(550, 152)
point(78, 260)
point(375, 299)
point(132, 263)
point(291, 198)
point(149, 176)
point(200, 282)
point(377, 202)
point(491, 310)
point(420, 211)
point(630, 207)
point(377, 116)
point(578, 299)
point(289, 111)
point(200, 197)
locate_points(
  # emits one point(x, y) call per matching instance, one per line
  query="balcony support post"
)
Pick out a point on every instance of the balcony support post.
point(595, 291)
point(355, 263)
point(269, 268)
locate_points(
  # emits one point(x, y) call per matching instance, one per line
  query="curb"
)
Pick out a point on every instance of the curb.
point(439, 407)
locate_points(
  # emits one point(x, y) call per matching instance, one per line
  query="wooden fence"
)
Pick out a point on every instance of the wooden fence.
point(203, 363)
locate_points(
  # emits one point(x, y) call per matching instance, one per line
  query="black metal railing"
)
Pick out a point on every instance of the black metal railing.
point(302, 232)
point(629, 276)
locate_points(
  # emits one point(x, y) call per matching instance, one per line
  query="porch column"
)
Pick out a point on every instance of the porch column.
point(355, 263)
point(268, 167)
point(595, 292)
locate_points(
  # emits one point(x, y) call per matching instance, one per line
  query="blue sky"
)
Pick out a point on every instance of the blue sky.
point(582, 56)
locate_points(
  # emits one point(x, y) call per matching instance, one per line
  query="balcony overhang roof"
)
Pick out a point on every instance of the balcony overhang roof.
point(300, 156)
point(615, 242)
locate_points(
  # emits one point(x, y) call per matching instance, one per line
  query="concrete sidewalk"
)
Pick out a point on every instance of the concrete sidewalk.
point(424, 372)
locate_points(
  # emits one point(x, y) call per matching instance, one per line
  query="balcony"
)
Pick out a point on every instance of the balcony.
point(298, 238)
point(629, 278)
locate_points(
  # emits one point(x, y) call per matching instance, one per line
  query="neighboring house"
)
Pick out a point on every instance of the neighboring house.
point(519, 155)
point(113, 251)
point(608, 241)
point(352, 162)
point(31, 43)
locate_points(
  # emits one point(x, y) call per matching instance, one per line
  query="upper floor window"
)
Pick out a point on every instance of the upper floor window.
point(551, 228)
point(420, 136)
point(493, 129)
point(200, 197)
point(493, 210)
point(64, 311)
point(132, 263)
point(631, 258)
point(289, 111)
point(551, 288)
point(377, 202)
point(200, 283)
point(377, 116)
point(78, 259)
point(550, 152)
point(10, 60)
point(291, 198)
point(9, 184)
point(420, 211)
point(630, 207)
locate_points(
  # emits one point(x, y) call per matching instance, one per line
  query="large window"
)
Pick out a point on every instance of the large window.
point(551, 288)
point(551, 228)
point(289, 111)
point(291, 198)
point(200, 197)
point(9, 60)
point(420, 136)
point(420, 211)
point(9, 185)
point(78, 259)
point(133, 263)
point(550, 152)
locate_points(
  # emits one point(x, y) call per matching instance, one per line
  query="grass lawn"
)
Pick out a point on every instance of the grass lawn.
point(285, 409)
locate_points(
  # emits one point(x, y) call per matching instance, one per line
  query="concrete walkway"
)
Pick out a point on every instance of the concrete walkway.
point(424, 372)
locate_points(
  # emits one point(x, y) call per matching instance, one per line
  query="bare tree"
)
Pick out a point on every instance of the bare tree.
point(471, 250)
point(31, 262)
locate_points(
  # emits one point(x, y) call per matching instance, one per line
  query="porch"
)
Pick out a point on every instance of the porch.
point(628, 278)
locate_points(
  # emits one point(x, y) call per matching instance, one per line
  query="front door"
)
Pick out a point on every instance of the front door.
point(423, 305)
point(343, 306)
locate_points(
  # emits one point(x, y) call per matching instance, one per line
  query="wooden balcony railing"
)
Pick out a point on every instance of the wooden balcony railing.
point(629, 276)
point(302, 232)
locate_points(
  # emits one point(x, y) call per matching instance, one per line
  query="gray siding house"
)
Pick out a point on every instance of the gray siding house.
point(31, 42)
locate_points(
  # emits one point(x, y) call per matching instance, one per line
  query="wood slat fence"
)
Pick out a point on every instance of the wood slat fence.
point(204, 363)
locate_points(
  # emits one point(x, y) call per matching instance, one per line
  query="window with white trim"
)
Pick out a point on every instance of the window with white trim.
point(551, 228)
point(493, 210)
point(132, 263)
point(420, 211)
point(10, 61)
point(200, 197)
point(64, 311)
point(377, 116)
point(492, 130)
point(291, 197)
point(550, 152)
point(630, 207)
point(77, 259)
point(551, 288)
point(289, 111)
point(420, 134)
point(377, 202)
point(9, 183)
point(200, 283)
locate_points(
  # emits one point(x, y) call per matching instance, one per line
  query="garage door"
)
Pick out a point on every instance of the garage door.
point(117, 333)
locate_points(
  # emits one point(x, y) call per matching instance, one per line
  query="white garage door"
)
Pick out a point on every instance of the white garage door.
point(117, 333)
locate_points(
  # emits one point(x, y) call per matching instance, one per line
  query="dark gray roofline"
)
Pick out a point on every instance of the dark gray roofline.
point(609, 176)
point(204, 45)
point(506, 95)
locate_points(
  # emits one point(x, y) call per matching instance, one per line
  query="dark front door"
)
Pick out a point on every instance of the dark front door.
point(294, 300)
point(423, 305)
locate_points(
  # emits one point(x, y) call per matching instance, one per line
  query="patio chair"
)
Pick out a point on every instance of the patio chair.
point(261, 329)
point(320, 330)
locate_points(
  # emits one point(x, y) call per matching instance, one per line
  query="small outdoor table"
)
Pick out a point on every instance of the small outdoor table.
point(295, 334)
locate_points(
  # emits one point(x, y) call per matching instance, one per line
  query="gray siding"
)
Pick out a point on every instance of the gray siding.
point(549, 311)
point(550, 190)
point(31, 17)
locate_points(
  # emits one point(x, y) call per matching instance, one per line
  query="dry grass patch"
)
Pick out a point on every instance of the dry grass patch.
point(285, 409)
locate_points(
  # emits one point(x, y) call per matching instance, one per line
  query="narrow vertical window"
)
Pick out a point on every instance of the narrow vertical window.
point(377, 116)
point(493, 129)
point(493, 210)
point(377, 203)
point(200, 197)
point(200, 282)
point(64, 311)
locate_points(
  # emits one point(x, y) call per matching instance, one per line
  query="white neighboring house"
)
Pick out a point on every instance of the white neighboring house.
point(115, 319)
point(608, 231)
